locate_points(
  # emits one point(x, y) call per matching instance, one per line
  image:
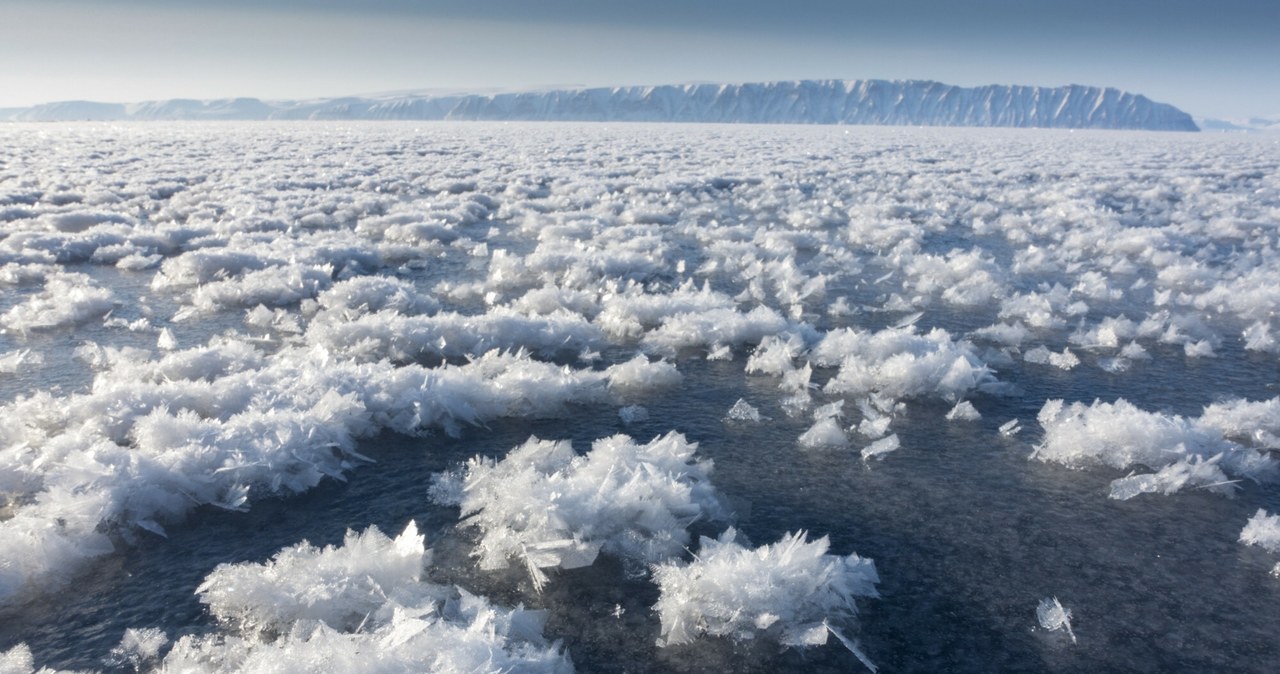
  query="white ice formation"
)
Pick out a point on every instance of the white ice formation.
point(544, 506)
point(1182, 452)
point(361, 606)
point(1263, 530)
point(826, 430)
point(1052, 616)
point(901, 364)
point(911, 103)
point(791, 591)
point(879, 448)
point(743, 411)
point(335, 585)
point(964, 411)
point(68, 299)
point(213, 425)
point(207, 315)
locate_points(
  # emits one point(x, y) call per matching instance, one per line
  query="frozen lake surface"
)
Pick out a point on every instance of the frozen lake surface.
point(990, 367)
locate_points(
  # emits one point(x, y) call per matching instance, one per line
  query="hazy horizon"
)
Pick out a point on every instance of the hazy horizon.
point(1210, 61)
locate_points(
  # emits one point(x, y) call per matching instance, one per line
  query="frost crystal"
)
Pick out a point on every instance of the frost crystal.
point(17, 660)
point(16, 361)
point(1263, 530)
point(1184, 452)
point(791, 591)
point(963, 411)
point(68, 299)
point(824, 433)
point(743, 411)
point(308, 583)
point(1053, 616)
point(879, 448)
point(1043, 356)
point(899, 363)
point(138, 648)
point(632, 414)
point(548, 507)
point(358, 607)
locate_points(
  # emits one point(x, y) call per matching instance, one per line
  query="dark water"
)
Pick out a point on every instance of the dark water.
point(967, 535)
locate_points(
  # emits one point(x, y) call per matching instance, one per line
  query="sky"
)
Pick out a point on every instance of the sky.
point(1214, 58)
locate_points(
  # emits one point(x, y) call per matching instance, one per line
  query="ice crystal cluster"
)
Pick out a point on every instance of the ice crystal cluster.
point(791, 590)
point(924, 346)
point(545, 507)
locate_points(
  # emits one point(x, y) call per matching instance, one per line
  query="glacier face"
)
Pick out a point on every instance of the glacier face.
point(909, 103)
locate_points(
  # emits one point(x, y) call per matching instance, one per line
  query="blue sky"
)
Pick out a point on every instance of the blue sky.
point(1209, 58)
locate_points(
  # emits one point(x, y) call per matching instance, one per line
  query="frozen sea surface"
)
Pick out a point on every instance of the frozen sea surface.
point(221, 341)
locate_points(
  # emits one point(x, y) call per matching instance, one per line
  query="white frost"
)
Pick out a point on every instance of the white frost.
point(879, 448)
point(68, 299)
point(336, 585)
point(1052, 616)
point(358, 607)
point(1263, 530)
point(545, 506)
point(963, 411)
point(900, 363)
point(1182, 451)
point(791, 591)
point(743, 411)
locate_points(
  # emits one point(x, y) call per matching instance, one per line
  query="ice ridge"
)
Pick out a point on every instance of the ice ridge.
point(883, 102)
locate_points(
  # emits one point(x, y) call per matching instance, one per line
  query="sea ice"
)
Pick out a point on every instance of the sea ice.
point(744, 411)
point(1052, 616)
point(336, 585)
point(824, 433)
point(67, 299)
point(433, 281)
point(1041, 355)
point(900, 363)
point(1263, 530)
point(360, 606)
point(632, 414)
point(790, 591)
point(138, 649)
point(546, 507)
point(775, 355)
point(879, 448)
point(1182, 451)
point(963, 411)
point(18, 360)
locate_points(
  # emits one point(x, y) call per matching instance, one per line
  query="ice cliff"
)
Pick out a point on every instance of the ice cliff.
point(909, 103)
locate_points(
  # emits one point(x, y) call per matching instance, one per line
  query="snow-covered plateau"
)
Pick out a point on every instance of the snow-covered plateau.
point(898, 103)
point(471, 397)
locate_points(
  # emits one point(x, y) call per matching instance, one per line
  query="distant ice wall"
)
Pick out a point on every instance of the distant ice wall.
point(901, 103)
